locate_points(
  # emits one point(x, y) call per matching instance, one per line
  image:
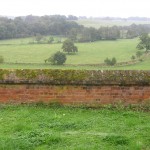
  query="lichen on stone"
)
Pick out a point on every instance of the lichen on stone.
point(83, 77)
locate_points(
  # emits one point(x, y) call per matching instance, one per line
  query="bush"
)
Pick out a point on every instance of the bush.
point(50, 40)
point(113, 61)
point(110, 62)
point(139, 54)
point(133, 57)
point(1, 59)
point(140, 59)
point(107, 61)
point(58, 58)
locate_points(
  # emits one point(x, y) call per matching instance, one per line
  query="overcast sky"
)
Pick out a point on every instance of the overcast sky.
point(95, 8)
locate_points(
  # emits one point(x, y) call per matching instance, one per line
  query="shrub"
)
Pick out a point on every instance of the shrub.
point(58, 58)
point(107, 61)
point(113, 61)
point(50, 40)
point(110, 62)
point(133, 57)
point(140, 59)
point(139, 54)
point(1, 59)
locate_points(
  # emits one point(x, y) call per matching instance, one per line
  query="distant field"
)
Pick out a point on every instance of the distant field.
point(64, 128)
point(98, 23)
point(22, 41)
point(19, 54)
point(89, 53)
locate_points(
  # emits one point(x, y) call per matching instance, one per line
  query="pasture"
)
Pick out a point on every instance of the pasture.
point(43, 127)
point(18, 53)
point(97, 23)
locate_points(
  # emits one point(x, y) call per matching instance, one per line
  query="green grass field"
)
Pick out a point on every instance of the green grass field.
point(97, 23)
point(140, 66)
point(65, 128)
point(19, 54)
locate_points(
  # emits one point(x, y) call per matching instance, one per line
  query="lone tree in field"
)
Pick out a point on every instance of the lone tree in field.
point(58, 58)
point(69, 47)
point(144, 42)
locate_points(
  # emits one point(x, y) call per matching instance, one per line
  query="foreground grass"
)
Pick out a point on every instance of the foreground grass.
point(42, 128)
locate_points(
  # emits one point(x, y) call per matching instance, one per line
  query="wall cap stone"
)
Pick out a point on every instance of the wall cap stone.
point(75, 77)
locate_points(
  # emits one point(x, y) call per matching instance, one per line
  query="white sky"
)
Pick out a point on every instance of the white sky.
point(114, 8)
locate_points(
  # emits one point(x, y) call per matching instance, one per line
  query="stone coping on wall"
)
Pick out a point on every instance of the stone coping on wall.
point(74, 77)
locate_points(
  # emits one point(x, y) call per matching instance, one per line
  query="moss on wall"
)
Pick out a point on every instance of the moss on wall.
point(26, 74)
point(3, 73)
point(79, 77)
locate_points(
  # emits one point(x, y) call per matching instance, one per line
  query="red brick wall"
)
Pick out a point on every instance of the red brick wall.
point(73, 94)
point(74, 86)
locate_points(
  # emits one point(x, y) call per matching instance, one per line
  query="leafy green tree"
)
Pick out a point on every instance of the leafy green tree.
point(69, 47)
point(144, 42)
point(71, 17)
point(29, 26)
point(58, 58)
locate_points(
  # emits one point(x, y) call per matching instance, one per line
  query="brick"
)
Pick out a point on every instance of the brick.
point(73, 94)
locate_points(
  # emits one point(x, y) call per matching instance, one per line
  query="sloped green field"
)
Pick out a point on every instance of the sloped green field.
point(26, 55)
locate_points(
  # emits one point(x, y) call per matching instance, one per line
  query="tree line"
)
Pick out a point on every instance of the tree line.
point(28, 26)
